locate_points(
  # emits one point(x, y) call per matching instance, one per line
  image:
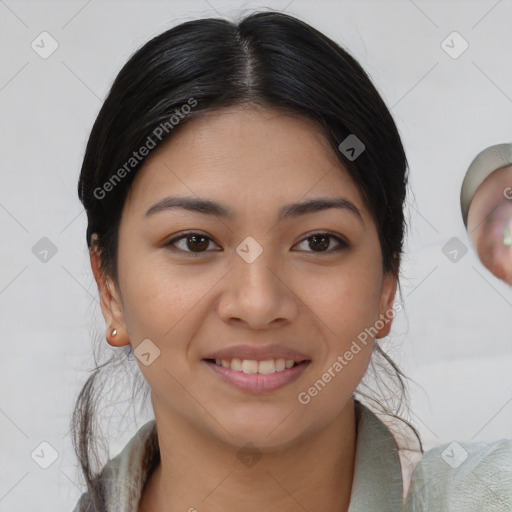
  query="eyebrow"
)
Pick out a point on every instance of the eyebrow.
point(292, 210)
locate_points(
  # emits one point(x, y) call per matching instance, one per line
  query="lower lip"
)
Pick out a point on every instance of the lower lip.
point(259, 382)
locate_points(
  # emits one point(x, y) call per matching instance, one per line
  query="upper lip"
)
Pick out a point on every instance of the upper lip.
point(258, 353)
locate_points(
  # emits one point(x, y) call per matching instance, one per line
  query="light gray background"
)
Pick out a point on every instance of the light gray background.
point(455, 338)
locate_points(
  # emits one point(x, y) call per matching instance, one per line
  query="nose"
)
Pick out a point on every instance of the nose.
point(258, 294)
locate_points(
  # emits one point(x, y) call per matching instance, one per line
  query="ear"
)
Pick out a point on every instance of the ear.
point(111, 304)
point(387, 298)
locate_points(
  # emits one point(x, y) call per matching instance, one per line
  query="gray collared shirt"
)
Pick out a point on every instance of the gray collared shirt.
point(453, 477)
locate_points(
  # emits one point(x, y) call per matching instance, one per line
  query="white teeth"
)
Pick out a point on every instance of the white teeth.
point(236, 364)
point(249, 366)
point(267, 366)
point(253, 366)
point(281, 364)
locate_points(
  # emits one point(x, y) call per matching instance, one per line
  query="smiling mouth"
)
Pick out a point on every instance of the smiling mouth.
point(260, 367)
point(258, 376)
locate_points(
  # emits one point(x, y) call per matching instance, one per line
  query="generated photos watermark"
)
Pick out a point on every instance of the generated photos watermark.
point(304, 397)
point(137, 156)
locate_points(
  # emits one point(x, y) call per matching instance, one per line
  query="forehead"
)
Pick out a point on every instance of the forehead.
point(244, 155)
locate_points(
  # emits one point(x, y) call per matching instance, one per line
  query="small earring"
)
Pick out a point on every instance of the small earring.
point(114, 332)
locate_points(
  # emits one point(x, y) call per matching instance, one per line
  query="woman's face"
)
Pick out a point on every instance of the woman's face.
point(256, 279)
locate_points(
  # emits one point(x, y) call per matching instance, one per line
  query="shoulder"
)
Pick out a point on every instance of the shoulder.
point(120, 482)
point(463, 476)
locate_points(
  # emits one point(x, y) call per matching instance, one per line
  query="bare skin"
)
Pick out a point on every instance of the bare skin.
point(191, 302)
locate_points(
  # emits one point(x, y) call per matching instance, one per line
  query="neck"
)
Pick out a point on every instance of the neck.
point(197, 472)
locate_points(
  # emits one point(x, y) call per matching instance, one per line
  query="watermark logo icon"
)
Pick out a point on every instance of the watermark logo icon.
point(44, 455)
point(454, 455)
point(454, 45)
point(454, 249)
point(44, 250)
point(249, 455)
point(146, 352)
point(44, 45)
point(249, 250)
point(351, 147)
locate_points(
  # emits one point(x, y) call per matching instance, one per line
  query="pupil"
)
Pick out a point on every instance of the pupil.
point(196, 244)
point(315, 238)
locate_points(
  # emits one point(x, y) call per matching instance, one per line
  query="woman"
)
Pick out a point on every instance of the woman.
point(244, 186)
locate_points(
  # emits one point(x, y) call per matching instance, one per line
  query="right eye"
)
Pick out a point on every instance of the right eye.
point(192, 242)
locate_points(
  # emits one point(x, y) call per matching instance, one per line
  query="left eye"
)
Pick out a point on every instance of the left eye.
point(196, 243)
point(322, 241)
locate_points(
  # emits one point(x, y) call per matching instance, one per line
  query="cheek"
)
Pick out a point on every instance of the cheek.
point(348, 306)
point(348, 301)
point(157, 297)
point(347, 309)
point(159, 305)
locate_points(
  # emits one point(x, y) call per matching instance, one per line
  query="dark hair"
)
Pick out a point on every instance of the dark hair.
point(268, 59)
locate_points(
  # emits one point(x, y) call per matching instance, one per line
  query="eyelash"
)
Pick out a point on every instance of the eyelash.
point(342, 243)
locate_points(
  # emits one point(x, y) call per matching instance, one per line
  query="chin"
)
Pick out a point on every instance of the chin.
point(268, 432)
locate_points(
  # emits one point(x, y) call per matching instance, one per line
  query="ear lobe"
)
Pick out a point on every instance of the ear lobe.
point(110, 301)
point(388, 293)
